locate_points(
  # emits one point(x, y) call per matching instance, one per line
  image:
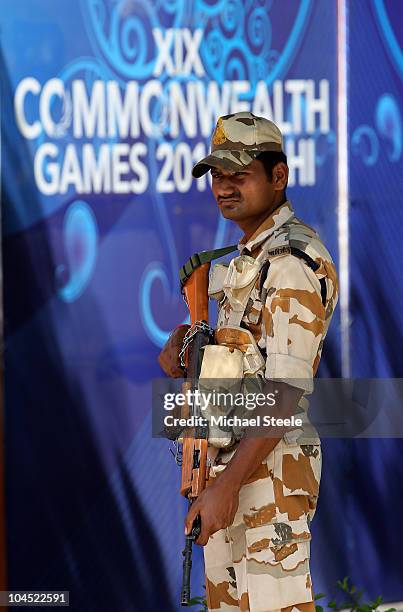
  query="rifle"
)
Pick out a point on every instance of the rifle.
point(194, 278)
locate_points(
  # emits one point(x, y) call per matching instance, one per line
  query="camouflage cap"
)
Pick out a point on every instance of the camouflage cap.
point(237, 140)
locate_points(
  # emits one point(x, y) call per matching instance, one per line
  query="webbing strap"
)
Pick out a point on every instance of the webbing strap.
point(314, 266)
point(201, 258)
point(302, 255)
point(308, 260)
point(323, 290)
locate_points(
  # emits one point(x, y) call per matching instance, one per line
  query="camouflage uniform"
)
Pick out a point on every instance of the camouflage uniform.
point(261, 562)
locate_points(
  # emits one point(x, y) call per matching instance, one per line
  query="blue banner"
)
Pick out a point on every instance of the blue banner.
point(106, 105)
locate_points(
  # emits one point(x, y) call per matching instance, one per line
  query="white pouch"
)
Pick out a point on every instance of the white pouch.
point(242, 274)
point(221, 373)
point(216, 281)
point(221, 362)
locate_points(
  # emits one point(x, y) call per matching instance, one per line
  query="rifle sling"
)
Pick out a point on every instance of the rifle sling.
point(198, 259)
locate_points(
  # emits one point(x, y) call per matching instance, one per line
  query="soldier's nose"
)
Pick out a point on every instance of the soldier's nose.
point(227, 185)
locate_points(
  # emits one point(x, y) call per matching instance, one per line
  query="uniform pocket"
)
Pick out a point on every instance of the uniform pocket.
point(277, 560)
point(300, 468)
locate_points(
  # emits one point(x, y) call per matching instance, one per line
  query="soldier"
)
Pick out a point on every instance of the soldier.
point(282, 291)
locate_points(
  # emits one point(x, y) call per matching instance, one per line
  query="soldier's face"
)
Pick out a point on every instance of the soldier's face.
point(247, 194)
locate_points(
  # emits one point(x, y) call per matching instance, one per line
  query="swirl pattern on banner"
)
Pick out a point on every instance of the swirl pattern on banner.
point(122, 32)
point(389, 36)
point(367, 142)
point(80, 234)
point(389, 124)
point(238, 44)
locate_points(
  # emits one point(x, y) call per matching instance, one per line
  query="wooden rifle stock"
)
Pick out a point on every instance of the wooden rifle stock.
point(194, 277)
point(194, 447)
point(194, 457)
point(196, 293)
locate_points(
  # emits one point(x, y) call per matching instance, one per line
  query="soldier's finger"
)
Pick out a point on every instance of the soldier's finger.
point(204, 534)
point(190, 517)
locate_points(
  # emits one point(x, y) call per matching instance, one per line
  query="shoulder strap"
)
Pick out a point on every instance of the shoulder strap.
point(297, 253)
point(201, 258)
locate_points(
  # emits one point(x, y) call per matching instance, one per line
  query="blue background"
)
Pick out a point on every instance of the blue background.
point(91, 291)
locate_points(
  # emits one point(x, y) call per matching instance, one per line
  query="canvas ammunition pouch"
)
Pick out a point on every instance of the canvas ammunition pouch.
point(235, 357)
point(225, 370)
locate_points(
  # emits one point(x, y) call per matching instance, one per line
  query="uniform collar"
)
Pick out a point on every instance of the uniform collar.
point(277, 218)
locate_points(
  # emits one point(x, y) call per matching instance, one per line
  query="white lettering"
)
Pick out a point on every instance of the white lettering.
point(163, 44)
point(152, 89)
point(89, 114)
point(302, 160)
point(119, 167)
point(261, 104)
point(96, 172)
point(278, 107)
point(140, 168)
point(71, 172)
point(211, 103)
point(183, 110)
point(182, 170)
point(53, 87)
point(192, 44)
point(186, 57)
point(123, 116)
point(47, 187)
point(28, 85)
point(296, 88)
point(317, 105)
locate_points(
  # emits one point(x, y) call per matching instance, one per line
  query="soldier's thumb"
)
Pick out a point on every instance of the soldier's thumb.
point(191, 515)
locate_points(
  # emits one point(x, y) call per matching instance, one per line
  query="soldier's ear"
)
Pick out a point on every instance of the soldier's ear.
point(280, 176)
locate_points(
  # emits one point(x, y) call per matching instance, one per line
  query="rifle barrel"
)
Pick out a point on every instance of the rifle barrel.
point(187, 559)
point(187, 568)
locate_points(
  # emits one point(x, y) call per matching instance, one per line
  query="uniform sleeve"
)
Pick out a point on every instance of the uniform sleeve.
point(294, 319)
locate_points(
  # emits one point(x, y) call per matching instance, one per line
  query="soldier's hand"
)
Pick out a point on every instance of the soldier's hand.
point(169, 356)
point(217, 506)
